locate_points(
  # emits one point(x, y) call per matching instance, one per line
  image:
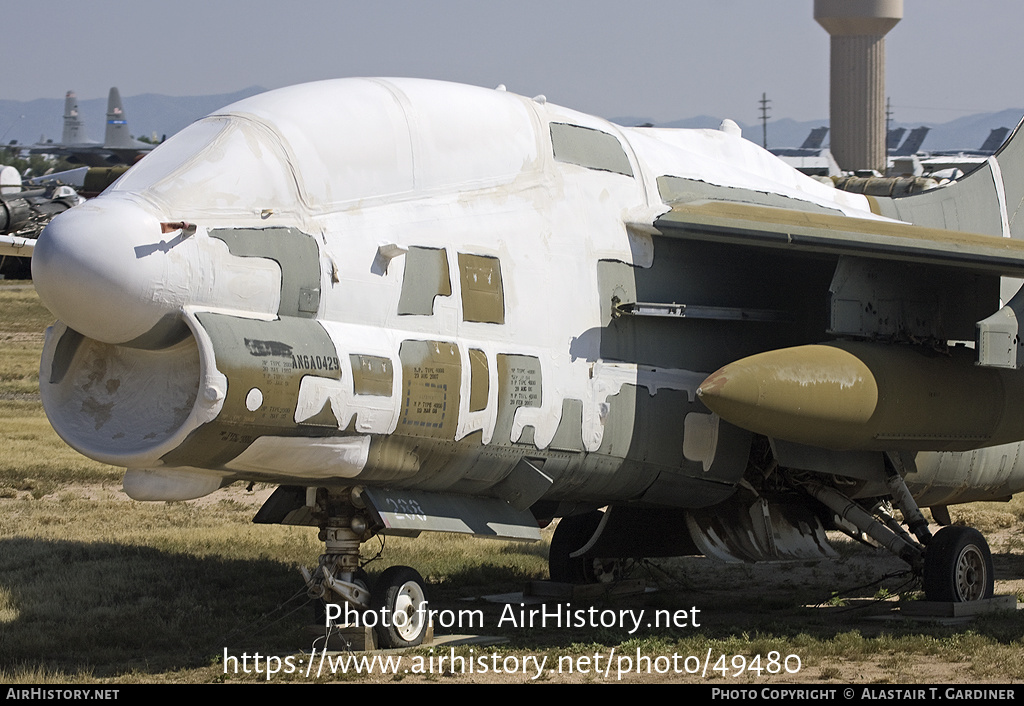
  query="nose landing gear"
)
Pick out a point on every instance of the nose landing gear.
point(399, 594)
point(395, 607)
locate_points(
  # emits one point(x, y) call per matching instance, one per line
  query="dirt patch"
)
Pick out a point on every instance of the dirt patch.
point(22, 337)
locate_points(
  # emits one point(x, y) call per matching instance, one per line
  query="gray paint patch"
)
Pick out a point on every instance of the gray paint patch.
point(569, 435)
point(426, 276)
point(273, 356)
point(431, 373)
point(371, 375)
point(589, 148)
point(478, 382)
point(297, 254)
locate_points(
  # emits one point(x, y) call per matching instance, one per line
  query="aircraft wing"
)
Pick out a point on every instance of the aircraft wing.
point(13, 245)
point(91, 155)
point(810, 232)
point(71, 177)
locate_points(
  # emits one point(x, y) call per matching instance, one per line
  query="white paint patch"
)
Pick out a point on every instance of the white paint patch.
point(171, 485)
point(339, 457)
point(721, 159)
point(314, 392)
point(997, 180)
point(254, 400)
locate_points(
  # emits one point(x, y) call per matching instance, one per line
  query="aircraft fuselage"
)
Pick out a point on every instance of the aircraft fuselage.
point(418, 285)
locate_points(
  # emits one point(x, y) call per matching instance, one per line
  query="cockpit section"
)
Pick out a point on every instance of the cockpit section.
point(369, 141)
point(217, 169)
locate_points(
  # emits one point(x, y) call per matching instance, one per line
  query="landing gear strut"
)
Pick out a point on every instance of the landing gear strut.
point(338, 574)
point(955, 563)
point(396, 605)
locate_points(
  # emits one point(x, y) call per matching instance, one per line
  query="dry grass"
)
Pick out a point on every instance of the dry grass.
point(21, 310)
point(95, 587)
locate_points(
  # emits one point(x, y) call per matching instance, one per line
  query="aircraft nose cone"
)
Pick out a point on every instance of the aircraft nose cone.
point(91, 269)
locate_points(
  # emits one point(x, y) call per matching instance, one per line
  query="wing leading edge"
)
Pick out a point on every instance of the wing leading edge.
point(812, 232)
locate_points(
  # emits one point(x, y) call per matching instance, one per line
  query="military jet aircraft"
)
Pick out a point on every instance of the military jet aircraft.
point(421, 306)
point(25, 209)
point(118, 146)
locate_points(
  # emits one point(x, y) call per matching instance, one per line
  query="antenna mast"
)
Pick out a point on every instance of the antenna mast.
point(764, 119)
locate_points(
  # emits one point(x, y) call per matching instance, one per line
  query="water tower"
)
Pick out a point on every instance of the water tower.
point(857, 94)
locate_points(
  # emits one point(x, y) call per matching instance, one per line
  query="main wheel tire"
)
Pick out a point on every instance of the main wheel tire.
point(958, 566)
point(572, 533)
point(400, 602)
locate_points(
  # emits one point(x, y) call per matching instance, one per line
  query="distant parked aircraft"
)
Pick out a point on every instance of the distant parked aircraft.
point(118, 146)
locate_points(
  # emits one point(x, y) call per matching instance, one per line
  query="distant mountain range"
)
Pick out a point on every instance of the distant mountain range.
point(151, 115)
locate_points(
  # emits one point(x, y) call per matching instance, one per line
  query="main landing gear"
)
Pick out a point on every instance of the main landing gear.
point(395, 607)
point(571, 558)
point(955, 563)
point(571, 534)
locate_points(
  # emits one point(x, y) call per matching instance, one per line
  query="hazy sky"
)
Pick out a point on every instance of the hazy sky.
point(660, 59)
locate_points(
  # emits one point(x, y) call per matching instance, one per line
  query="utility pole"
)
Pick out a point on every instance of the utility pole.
point(888, 116)
point(764, 119)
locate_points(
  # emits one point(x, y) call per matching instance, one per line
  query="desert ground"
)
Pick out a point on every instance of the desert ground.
point(97, 588)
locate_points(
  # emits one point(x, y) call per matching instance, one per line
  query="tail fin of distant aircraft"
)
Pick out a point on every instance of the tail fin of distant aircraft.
point(913, 142)
point(815, 139)
point(117, 124)
point(74, 130)
point(995, 139)
point(892, 140)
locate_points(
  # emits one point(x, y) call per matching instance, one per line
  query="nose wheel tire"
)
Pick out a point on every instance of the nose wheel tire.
point(958, 566)
point(400, 603)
